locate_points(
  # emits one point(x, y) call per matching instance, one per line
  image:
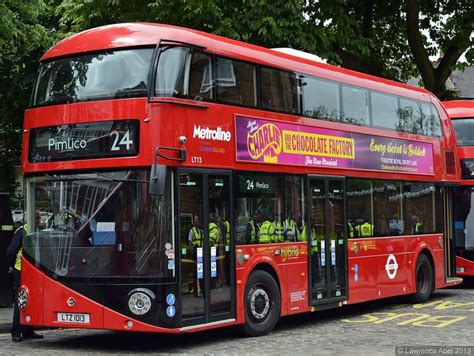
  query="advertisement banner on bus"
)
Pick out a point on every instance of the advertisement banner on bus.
point(265, 141)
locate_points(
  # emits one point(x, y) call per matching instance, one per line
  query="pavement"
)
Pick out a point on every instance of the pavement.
point(6, 316)
point(384, 327)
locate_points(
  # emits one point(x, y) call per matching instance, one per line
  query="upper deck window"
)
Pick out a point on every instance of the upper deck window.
point(384, 110)
point(418, 118)
point(98, 76)
point(171, 74)
point(464, 129)
point(320, 99)
point(236, 82)
point(355, 102)
point(279, 91)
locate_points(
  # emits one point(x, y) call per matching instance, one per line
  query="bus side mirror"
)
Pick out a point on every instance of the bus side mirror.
point(157, 180)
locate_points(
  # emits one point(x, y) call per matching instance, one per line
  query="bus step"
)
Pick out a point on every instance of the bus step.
point(453, 280)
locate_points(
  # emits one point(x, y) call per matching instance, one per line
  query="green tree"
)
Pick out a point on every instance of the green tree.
point(395, 38)
point(392, 39)
point(22, 42)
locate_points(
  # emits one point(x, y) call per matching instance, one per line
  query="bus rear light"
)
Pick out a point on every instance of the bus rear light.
point(28, 318)
point(22, 298)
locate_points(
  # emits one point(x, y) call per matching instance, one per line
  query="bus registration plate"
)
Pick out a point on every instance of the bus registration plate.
point(74, 318)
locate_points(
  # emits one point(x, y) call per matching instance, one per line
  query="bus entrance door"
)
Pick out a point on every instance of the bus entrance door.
point(205, 246)
point(328, 253)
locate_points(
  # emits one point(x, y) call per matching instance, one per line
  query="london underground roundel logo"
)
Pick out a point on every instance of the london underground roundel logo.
point(391, 267)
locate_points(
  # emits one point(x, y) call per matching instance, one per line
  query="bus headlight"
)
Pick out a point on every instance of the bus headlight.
point(140, 301)
point(22, 298)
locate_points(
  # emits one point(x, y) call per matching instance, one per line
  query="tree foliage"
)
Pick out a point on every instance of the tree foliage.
point(22, 42)
point(392, 39)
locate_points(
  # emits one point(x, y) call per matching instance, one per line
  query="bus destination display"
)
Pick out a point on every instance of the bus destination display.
point(105, 139)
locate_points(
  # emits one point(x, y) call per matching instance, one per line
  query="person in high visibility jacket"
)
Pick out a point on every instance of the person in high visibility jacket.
point(417, 226)
point(214, 232)
point(14, 254)
point(226, 234)
point(253, 228)
point(289, 226)
point(301, 232)
point(279, 235)
point(196, 241)
point(196, 236)
point(365, 230)
point(267, 231)
point(351, 229)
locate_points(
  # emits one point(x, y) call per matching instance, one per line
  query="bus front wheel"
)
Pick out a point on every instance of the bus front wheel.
point(262, 304)
point(424, 279)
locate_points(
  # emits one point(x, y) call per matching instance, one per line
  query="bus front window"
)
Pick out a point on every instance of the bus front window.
point(93, 77)
point(464, 129)
point(96, 225)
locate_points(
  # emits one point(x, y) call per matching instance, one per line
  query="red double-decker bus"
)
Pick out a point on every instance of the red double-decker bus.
point(189, 181)
point(462, 114)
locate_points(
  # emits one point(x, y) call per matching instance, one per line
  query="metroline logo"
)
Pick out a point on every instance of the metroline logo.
point(206, 133)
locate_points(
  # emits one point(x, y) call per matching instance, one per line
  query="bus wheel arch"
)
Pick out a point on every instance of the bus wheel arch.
point(424, 274)
point(262, 301)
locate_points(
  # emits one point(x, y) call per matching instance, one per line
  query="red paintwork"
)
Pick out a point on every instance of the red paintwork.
point(171, 119)
point(371, 258)
point(459, 109)
point(468, 267)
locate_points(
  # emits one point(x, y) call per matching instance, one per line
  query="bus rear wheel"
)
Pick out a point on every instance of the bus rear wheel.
point(262, 304)
point(423, 279)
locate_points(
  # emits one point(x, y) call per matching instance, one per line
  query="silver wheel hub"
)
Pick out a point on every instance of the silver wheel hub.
point(259, 303)
point(139, 303)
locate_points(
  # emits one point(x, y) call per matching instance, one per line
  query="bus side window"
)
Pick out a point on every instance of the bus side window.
point(279, 91)
point(236, 82)
point(171, 72)
point(201, 78)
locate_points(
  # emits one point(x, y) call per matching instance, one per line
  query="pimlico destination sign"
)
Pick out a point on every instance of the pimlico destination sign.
point(272, 142)
point(104, 139)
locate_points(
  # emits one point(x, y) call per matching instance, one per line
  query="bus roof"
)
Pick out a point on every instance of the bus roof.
point(147, 34)
point(459, 108)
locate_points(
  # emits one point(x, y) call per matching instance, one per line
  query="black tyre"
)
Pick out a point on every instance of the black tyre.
point(423, 279)
point(262, 304)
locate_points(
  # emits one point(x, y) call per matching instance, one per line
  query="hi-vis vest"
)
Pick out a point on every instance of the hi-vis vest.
point(314, 241)
point(267, 232)
point(227, 233)
point(351, 230)
point(197, 237)
point(302, 234)
point(20, 252)
point(214, 234)
point(418, 228)
point(365, 229)
point(279, 232)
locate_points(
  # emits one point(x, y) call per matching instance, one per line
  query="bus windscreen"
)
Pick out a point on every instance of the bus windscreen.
point(464, 129)
point(93, 77)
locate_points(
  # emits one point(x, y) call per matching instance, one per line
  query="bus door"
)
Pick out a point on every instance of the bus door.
point(204, 230)
point(328, 240)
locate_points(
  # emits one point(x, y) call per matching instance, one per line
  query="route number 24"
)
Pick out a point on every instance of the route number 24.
point(118, 142)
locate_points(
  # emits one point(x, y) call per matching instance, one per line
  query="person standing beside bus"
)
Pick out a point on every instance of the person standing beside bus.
point(14, 252)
